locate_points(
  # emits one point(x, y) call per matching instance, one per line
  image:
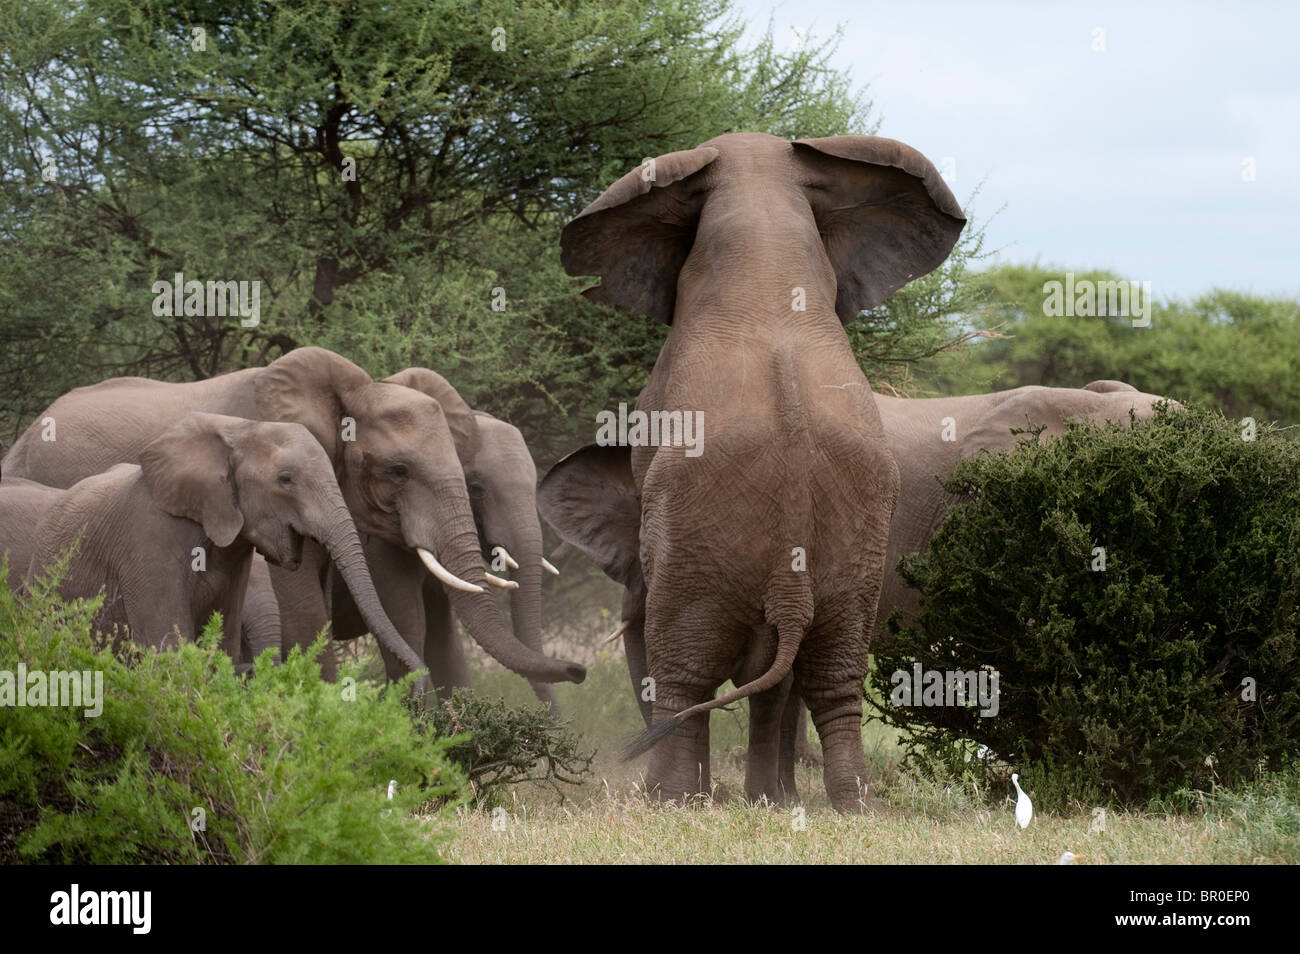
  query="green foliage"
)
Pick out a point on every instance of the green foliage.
point(477, 132)
point(497, 745)
point(1264, 819)
point(284, 767)
point(1124, 683)
point(1225, 349)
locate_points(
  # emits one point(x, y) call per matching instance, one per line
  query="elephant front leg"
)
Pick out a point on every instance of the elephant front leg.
point(637, 669)
point(794, 730)
point(303, 610)
point(443, 652)
point(762, 778)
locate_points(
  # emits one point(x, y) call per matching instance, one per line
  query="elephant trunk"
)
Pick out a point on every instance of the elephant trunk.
point(339, 537)
point(525, 545)
point(458, 549)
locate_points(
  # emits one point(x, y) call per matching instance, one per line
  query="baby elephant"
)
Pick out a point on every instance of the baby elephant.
point(171, 540)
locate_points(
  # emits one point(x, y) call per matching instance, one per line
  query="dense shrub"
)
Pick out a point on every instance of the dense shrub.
point(497, 745)
point(1122, 683)
point(283, 767)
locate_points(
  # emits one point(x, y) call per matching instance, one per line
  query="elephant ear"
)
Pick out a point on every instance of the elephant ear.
point(190, 472)
point(591, 500)
point(884, 212)
point(637, 235)
point(1105, 387)
point(310, 386)
point(460, 417)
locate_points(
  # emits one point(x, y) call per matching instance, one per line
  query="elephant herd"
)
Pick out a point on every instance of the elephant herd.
point(767, 561)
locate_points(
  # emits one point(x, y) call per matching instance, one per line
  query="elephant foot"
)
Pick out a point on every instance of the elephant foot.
point(679, 765)
point(845, 766)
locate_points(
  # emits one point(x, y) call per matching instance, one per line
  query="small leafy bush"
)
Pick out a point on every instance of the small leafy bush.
point(188, 763)
point(497, 745)
point(1177, 666)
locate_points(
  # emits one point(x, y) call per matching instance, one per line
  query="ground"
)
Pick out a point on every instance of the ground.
point(608, 821)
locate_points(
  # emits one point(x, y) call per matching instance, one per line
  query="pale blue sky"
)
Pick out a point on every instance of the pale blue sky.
point(1129, 159)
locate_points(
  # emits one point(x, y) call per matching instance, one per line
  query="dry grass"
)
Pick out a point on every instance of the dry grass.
point(609, 821)
point(622, 827)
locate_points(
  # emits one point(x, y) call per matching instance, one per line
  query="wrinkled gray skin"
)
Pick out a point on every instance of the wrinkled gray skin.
point(501, 481)
point(23, 504)
point(261, 628)
point(602, 485)
point(211, 488)
point(756, 249)
point(390, 447)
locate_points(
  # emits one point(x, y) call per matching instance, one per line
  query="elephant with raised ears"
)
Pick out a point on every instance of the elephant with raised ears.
point(170, 540)
point(502, 481)
point(591, 499)
point(390, 447)
point(761, 541)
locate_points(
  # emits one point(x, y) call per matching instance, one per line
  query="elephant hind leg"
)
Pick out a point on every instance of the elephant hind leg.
point(831, 681)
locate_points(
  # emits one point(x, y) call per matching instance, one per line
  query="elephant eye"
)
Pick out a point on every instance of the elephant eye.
point(397, 470)
point(285, 479)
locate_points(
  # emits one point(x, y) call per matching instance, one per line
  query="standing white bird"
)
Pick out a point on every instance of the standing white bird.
point(1024, 807)
point(1068, 858)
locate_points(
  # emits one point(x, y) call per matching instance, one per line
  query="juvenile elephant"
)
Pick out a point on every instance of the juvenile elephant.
point(171, 540)
point(390, 446)
point(590, 498)
point(767, 543)
point(502, 482)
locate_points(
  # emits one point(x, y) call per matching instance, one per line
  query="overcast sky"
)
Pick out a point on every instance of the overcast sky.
point(1129, 159)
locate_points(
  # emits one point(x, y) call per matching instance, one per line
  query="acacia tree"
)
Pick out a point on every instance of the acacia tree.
point(394, 175)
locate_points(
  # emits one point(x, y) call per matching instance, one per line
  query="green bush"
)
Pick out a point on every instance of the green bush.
point(497, 745)
point(280, 767)
point(1120, 684)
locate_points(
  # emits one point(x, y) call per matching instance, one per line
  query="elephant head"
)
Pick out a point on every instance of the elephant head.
point(998, 423)
point(872, 209)
point(269, 484)
point(402, 479)
point(502, 481)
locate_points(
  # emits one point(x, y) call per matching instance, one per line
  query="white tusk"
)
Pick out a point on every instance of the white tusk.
point(549, 567)
point(503, 584)
point(622, 628)
point(445, 575)
point(505, 555)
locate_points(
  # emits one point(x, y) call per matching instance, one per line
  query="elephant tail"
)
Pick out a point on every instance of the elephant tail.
point(788, 637)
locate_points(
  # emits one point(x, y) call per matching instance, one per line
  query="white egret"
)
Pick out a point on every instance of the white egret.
point(1024, 807)
point(1068, 858)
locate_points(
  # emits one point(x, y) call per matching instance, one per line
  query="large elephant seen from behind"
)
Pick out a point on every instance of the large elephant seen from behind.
point(762, 548)
point(590, 498)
